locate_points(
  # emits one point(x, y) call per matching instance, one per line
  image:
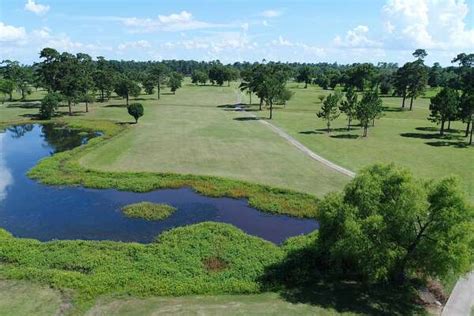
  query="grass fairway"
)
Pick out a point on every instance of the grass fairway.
point(261, 304)
point(23, 298)
point(406, 138)
point(194, 132)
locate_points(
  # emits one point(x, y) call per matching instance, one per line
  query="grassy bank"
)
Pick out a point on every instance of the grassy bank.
point(149, 211)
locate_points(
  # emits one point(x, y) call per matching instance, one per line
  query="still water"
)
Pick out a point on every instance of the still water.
point(33, 210)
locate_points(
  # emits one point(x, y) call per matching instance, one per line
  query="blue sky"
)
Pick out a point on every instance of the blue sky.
point(343, 31)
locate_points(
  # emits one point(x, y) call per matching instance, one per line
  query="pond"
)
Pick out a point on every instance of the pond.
point(33, 210)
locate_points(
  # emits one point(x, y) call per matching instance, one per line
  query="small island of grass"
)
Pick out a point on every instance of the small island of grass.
point(149, 211)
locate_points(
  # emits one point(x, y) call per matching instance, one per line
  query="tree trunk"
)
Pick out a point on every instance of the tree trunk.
point(271, 110)
point(158, 88)
point(441, 132)
point(329, 126)
point(136, 120)
point(23, 94)
point(127, 99)
point(228, 83)
point(87, 106)
point(11, 96)
point(366, 127)
point(305, 84)
point(403, 100)
point(411, 103)
point(260, 105)
point(373, 122)
point(102, 95)
point(349, 124)
point(250, 96)
point(449, 124)
point(467, 129)
point(69, 105)
point(470, 138)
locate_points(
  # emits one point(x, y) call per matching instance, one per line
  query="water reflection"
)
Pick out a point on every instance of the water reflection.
point(6, 178)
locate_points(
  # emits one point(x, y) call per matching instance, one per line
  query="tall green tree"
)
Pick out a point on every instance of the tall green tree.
point(159, 72)
point(217, 73)
point(444, 107)
point(388, 226)
point(305, 74)
point(104, 77)
point(174, 81)
point(368, 109)
point(49, 105)
point(199, 77)
point(7, 87)
point(349, 106)
point(125, 88)
point(401, 82)
point(329, 110)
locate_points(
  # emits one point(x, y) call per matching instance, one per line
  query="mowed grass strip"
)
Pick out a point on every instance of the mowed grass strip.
point(27, 298)
point(257, 304)
point(149, 211)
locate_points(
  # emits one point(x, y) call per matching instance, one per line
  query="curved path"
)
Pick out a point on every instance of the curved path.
point(461, 300)
point(297, 144)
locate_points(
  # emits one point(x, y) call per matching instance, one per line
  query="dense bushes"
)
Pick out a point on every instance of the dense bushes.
point(173, 265)
point(149, 211)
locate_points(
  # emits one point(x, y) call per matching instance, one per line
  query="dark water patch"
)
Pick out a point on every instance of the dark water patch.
point(30, 209)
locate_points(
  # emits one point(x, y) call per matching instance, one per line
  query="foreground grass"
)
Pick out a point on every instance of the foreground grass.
point(174, 265)
point(149, 211)
point(26, 298)
point(257, 304)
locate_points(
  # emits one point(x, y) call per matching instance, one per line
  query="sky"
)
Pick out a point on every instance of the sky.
point(342, 31)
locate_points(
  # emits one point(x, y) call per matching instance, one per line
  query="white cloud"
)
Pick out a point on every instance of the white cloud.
point(134, 45)
point(271, 13)
point(430, 24)
point(9, 33)
point(36, 8)
point(282, 42)
point(356, 38)
point(175, 22)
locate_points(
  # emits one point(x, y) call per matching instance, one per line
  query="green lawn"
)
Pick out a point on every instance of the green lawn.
point(406, 138)
point(260, 304)
point(190, 133)
point(18, 298)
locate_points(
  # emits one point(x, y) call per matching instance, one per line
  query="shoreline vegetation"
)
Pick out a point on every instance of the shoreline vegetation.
point(148, 211)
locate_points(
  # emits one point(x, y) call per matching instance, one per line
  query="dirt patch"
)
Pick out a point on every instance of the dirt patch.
point(215, 264)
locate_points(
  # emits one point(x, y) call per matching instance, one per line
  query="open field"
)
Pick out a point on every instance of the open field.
point(406, 138)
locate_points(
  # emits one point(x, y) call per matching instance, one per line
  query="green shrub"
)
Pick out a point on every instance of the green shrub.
point(149, 211)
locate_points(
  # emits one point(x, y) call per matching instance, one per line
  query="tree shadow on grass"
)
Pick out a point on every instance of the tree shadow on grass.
point(311, 132)
point(345, 136)
point(115, 106)
point(394, 109)
point(25, 105)
point(300, 279)
point(246, 118)
point(432, 136)
point(447, 144)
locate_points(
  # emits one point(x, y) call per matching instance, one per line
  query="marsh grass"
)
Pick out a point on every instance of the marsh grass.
point(149, 211)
